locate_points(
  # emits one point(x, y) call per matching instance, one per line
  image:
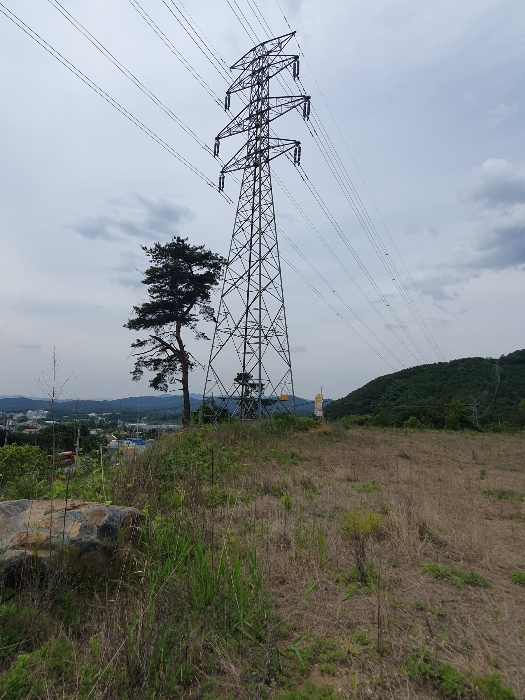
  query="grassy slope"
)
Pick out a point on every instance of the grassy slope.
point(220, 622)
point(459, 379)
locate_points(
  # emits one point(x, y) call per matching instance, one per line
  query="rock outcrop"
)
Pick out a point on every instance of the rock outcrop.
point(83, 534)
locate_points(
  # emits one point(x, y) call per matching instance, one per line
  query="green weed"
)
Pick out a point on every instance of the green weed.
point(30, 675)
point(287, 501)
point(503, 494)
point(422, 667)
point(367, 583)
point(455, 576)
point(518, 577)
point(371, 487)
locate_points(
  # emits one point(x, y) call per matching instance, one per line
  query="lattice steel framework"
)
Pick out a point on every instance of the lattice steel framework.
point(251, 334)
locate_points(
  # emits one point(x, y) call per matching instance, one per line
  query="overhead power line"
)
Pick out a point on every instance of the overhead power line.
point(345, 321)
point(100, 47)
point(87, 81)
point(190, 132)
point(196, 30)
point(337, 168)
point(362, 220)
point(433, 343)
point(174, 50)
point(128, 73)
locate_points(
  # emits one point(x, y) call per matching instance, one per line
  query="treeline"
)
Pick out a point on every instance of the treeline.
point(490, 389)
point(65, 438)
point(436, 415)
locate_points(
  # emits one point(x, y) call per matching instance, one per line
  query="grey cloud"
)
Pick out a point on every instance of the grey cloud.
point(500, 241)
point(95, 228)
point(298, 348)
point(29, 346)
point(148, 219)
point(497, 243)
point(499, 236)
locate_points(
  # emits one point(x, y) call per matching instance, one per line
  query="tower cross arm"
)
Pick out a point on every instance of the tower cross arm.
point(270, 47)
point(272, 65)
point(275, 108)
point(243, 159)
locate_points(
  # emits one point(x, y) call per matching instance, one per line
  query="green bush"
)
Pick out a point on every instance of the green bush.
point(31, 675)
point(24, 471)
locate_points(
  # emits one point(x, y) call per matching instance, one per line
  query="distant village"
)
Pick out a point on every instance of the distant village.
point(105, 429)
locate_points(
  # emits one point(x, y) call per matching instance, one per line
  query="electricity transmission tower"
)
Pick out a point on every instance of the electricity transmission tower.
point(250, 370)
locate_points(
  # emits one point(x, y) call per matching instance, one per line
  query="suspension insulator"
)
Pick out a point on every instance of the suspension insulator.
point(306, 109)
point(227, 102)
point(216, 147)
point(297, 154)
point(295, 68)
point(221, 182)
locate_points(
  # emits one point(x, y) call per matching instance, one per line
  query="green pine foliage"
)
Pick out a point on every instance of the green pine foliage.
point(440, 395)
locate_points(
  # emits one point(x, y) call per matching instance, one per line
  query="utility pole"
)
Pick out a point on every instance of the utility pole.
point(250, 368)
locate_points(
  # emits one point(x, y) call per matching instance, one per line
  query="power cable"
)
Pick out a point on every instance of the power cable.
point(252, 35)
point(79, 74)
point(128, 74)
point(337, 258)
point(343, 301)
point(318, 293)
point(196, 29)
point(358, 260)
point(366, 187)
point(193, 35)
point(145, 90)
point(368, 226)
point(355, 209)
point(189, 19)
point(140, 10)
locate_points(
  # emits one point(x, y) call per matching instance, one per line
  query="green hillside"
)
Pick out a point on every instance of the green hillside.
point(424, 391)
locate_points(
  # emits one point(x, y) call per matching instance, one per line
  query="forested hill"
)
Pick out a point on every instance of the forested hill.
point(409, 390)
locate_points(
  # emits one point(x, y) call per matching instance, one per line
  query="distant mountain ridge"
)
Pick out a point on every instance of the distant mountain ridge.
point(126, 407)
point(465, 379)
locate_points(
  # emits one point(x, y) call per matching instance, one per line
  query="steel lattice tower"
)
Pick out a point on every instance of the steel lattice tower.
point(251, 332)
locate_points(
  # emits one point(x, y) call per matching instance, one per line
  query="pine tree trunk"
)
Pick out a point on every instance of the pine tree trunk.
point(185, 378)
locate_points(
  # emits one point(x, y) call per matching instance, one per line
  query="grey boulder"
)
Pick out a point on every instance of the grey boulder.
point(79, 533)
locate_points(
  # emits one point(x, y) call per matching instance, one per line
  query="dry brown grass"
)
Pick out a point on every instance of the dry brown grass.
point(431, 495)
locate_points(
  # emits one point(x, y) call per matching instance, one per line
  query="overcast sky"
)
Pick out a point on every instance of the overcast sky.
point(429, 98)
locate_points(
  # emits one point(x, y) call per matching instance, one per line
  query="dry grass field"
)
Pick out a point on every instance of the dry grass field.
point(297, 565)
point(453, 499)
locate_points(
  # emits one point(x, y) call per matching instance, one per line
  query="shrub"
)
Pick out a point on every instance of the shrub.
point(357, 522)
point(24, 471)
point(413, 423)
